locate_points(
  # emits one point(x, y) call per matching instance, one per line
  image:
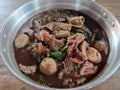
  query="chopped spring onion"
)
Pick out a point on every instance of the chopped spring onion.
point(41, 78)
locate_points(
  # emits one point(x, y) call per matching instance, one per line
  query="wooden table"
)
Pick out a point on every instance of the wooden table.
point(9, 82)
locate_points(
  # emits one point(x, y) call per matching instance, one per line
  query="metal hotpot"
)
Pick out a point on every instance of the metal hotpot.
point(88, 7)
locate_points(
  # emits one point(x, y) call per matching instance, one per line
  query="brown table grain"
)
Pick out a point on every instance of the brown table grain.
point(9, 82)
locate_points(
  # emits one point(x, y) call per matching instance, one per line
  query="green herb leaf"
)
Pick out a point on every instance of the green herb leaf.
point(74, 32)
point(85, 34)
point(43, 23)
point(54, 15)
point(32, 45)
point(41, 78)
point(71, 33)
point(64, 48)
point(57, 55)
point(77, 66)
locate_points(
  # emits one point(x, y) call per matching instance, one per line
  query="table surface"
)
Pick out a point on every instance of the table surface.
point(9, 82)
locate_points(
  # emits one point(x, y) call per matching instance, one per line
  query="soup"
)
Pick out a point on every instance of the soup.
point(61, 48)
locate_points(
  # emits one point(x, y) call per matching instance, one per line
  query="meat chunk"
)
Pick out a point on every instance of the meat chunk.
point(83, 48)
point(77, 21)
point(28, 69)
point(48, 66)
point(21, 41)
point(60, 30)
point(93, 55)
point(76, 38)
point(76, 60)
point(69, 64)
point(54, 43)
point(61, 34)
point(88, 69)
point(74, 41)
point(100, 45)
point(40, 49)
point(58, 26)
point(36, 24)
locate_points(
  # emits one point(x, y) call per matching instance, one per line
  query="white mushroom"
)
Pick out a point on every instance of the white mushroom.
point(21, 41)
point(48, 66)
point(100, 45)
point(28, 31)
point(93, 55)
point(28, 69)
point(83, 48)
point(77, 21)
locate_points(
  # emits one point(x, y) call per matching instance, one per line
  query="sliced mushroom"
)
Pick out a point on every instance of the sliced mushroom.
point(28, 69)
point(83, 48)
point(21, 41)
point(77, 21)
point(93, 55)
point(100, 45)
point(58, 26)
point(28, 31)
point(48, 66)
point(61, 34)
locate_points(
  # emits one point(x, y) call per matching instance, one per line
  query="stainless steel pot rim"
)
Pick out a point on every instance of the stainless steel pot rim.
point(95, 83)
